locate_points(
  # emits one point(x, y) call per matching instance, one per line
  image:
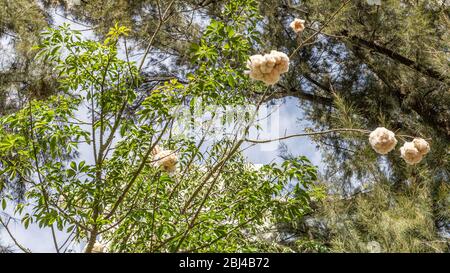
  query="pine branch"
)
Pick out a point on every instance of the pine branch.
point(427, 71)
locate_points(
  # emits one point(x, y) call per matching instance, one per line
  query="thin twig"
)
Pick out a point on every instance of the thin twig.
point(24, 249)
point(158, 27)
point(309, 134)
point(320, 29)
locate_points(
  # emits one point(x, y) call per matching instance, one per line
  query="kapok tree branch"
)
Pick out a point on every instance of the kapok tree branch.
point(338, 130)
point(309, 134)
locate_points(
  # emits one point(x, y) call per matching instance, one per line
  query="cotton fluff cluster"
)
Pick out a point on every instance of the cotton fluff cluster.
point(298, 25)
point(413, 152)
point(167, 160)
point(98, 248)
point(269, 67)
point(421, 145)
point(382, 140)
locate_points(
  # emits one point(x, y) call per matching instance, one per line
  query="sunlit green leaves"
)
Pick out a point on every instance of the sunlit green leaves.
point(115, 32)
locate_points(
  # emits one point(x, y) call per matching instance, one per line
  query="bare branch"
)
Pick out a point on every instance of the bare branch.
point(5, 225)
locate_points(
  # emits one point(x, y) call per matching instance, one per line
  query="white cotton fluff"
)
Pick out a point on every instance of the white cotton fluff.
point(268, 68)
point(298, 25)
point(167, 160)
point(374, 247)
point(421, 145)
point(72, 3)
point(410, 153)
point(61, 201)
point(374, 2)
point(98, 248)
point(382, 140)
point(156, 150)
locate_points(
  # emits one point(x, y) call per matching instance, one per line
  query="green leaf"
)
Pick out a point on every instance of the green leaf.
point(73, 165)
